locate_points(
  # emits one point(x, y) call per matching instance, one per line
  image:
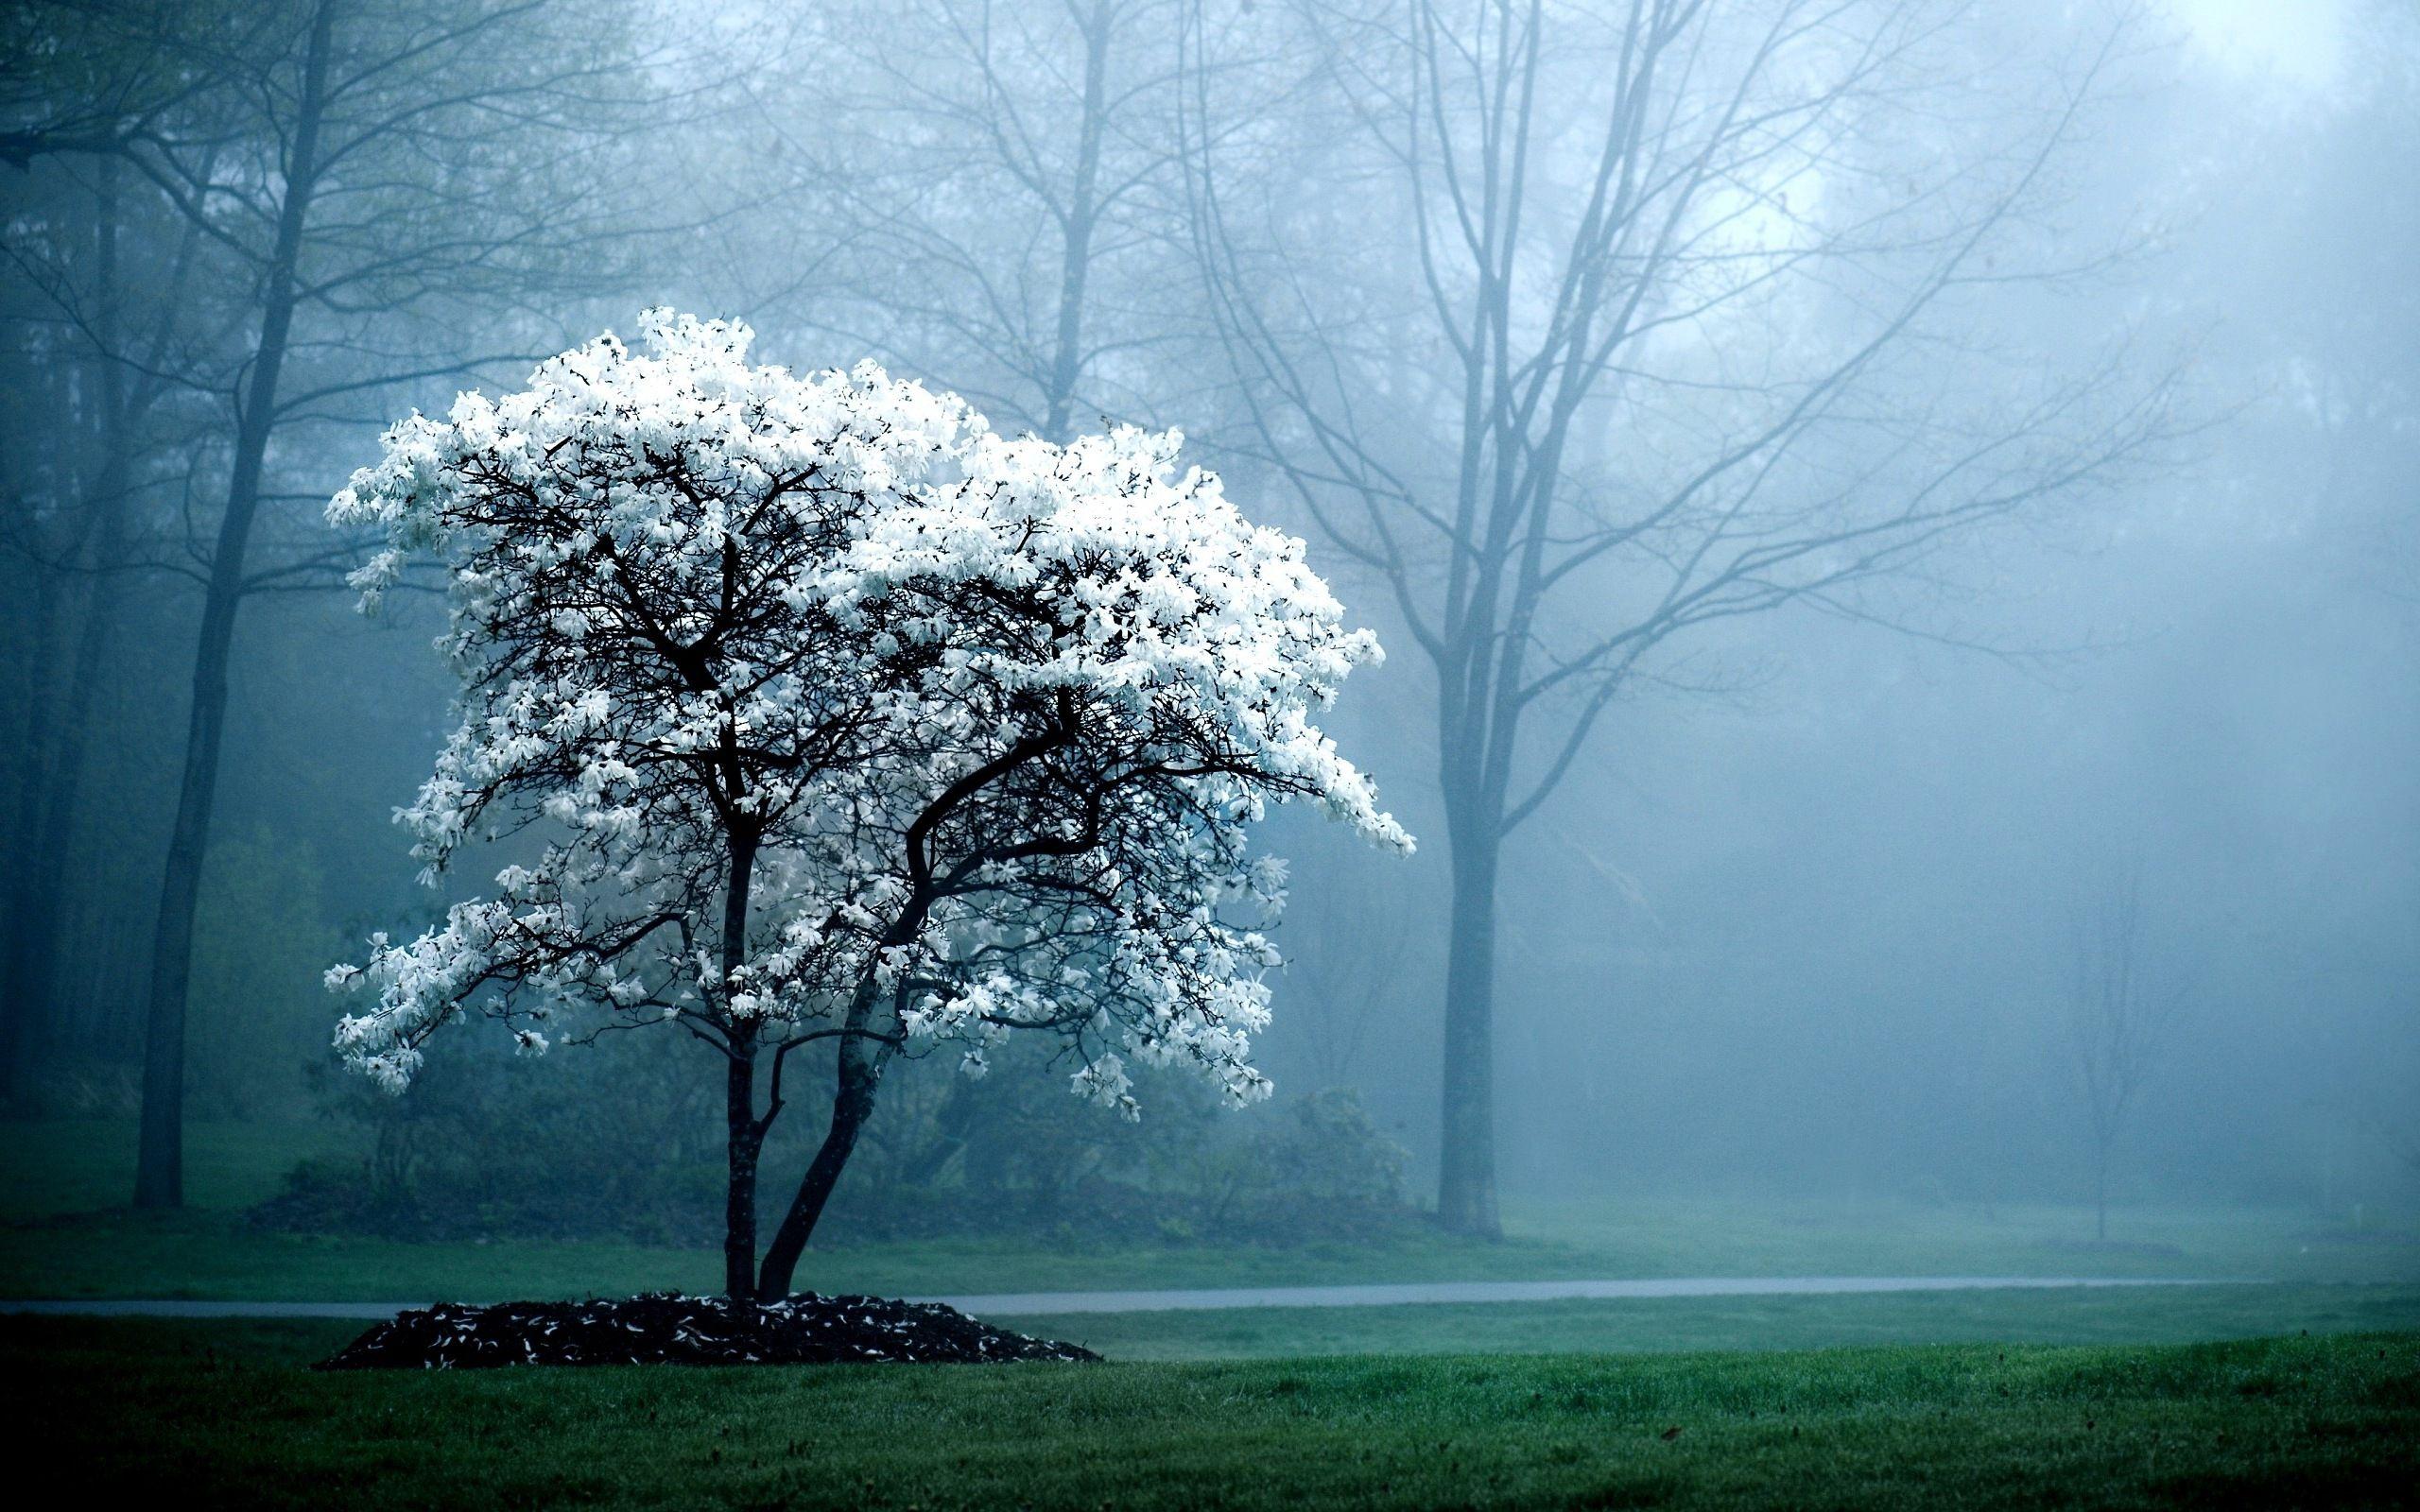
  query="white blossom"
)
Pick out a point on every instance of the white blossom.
point(991, 716)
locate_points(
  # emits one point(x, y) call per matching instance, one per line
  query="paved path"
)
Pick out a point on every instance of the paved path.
point(1011, 1304)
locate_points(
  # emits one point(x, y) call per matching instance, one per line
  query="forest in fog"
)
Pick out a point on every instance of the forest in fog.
point(1894, 526)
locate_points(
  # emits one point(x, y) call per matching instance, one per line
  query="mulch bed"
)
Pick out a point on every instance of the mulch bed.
point(664, 1328)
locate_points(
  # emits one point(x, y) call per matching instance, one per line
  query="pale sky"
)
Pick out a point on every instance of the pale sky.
point(2294, 43)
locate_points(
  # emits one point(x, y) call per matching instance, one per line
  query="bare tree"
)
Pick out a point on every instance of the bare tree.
point(77, 78)
point(1004, 177)
point(1642, 359)
point(362, 176)
point(2118, 1019)
point(111, 301)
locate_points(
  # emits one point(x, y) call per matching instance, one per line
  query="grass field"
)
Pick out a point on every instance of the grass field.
point(2082, 1398)
point(220, 1415)
point(2179, 1316)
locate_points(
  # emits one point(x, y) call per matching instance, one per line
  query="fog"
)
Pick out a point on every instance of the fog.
point(1821, 902)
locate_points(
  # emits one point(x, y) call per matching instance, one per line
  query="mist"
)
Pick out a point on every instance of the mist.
point(2062, 382)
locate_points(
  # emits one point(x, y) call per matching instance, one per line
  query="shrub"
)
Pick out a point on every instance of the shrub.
point(499, 1146)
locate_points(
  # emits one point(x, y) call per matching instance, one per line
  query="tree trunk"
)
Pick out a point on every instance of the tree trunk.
point(23, 943)
point(159, 1179)
point(1466, 1155)
point(744, 1141)
point(743, 1134)
point(2101, 1193)
point(860, 1062)
point(1076, 231)
point(47, 859)
point(36, 945)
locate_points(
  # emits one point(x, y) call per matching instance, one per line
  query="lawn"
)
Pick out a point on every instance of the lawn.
point(2105, 1397)
point(221, 1415)
point(2182, 1315)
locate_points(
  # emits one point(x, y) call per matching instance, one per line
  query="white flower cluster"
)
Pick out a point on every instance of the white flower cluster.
point(980, 721)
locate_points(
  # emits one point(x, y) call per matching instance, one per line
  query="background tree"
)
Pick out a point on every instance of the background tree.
point(2118, 1019)
point(78, 78)
point(836, 718)
point(1008, 179)
point(1614, 324)
point(114, 320)
point(361, 177)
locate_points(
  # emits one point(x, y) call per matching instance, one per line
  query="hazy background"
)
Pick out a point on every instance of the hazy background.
point(1808, 930)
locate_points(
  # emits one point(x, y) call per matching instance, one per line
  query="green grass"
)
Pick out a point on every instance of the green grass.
point(219, 1415)
point(60, 1235)
point(1944, 1397)
point(1814, 1236)
point(2182, 1315)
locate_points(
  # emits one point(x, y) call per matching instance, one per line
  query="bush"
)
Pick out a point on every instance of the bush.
point(601, 1141)
point(582, 1144)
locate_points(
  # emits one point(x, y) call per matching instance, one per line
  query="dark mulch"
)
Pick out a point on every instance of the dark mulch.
point(664, 1328)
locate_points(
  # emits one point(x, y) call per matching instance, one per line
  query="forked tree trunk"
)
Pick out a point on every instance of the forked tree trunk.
point(861, 1060)
point(159, 1178)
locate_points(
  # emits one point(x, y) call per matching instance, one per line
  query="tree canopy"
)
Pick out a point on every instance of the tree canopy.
point(824, 712)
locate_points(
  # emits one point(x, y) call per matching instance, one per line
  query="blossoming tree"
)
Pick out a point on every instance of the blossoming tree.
point(815, 712)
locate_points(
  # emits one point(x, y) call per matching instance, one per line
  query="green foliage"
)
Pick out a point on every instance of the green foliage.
point(606, 1141)
point(221, 1413)
point(1013, 1154)
point(1325, 1149)
point(617, 1140)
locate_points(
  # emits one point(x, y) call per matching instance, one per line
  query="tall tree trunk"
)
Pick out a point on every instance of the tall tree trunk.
point(861, 1060)
point(1075, 232)
point(46, 862)
point(41, 613)
point(743, 1141)
point(22, 942)
point(1466, 1153)
point(159, 1178)
point(36, 923)
point(1066, 367)
point(743, 1133)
